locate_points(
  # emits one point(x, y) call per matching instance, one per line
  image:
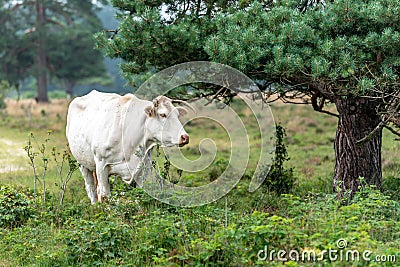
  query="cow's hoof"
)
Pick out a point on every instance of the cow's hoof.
point(104, 199)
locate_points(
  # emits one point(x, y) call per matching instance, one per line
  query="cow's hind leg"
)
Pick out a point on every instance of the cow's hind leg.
point(103, 188)
point(89, 183)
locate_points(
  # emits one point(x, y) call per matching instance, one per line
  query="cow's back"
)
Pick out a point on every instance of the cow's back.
point(93, 122)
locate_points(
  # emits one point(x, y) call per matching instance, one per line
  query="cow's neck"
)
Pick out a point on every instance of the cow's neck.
point(136, 149)
point(136, 139)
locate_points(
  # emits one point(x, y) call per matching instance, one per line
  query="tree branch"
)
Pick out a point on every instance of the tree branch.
point(379, 127)
point(114, 32)
point(320, 107)
point(328, 112)
point(55, 22)
point(371, 134)
point(28, 3)
point(393, 131)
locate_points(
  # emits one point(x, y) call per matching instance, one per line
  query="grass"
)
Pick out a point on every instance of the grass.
point(136, 230)
point(309, 141)
point(16, 126)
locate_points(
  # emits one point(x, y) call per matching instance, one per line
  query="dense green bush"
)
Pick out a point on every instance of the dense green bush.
point(96, 241)
point(15, 207)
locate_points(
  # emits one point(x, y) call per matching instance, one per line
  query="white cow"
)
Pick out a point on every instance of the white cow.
point(108, 132)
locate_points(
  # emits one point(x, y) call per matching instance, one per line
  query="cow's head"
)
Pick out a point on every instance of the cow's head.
point(163, 125)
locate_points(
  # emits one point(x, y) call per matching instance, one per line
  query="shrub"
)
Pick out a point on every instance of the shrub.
point(96, 242)
point(278, 178)
point(15, 207)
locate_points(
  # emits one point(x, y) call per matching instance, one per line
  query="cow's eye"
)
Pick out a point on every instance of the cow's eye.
point(163, 115)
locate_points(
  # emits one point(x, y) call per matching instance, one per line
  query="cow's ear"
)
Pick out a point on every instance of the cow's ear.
point(150, 111)
point(182, 111)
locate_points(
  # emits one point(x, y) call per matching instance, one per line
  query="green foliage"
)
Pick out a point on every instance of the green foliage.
point(97, 80)
point(16, 51)
point(15, 207)
point(311, 224)
point(299, 40)
point(320, 44)
point(146, 27)
point(19, 244)
point(277, 177)
point(96, 242)
point(57, 94)
point(136, 230)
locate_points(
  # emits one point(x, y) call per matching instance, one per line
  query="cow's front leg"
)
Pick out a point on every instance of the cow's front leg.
point(103, 186)
point(90, 184)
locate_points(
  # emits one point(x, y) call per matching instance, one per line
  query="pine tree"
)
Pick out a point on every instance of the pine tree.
point(341, 52)
point(32, 24)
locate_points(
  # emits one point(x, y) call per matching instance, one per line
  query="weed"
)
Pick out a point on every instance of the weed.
point(73, 165)
point(44, 161)
point(61, 160)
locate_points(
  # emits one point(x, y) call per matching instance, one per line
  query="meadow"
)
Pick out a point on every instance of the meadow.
point(240, 229)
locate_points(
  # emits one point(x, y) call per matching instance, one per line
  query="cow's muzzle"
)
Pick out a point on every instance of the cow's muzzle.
point(184, 140)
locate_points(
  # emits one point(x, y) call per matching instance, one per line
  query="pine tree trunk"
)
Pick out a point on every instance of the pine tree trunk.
point(357, 119)
point(69, 88)
point(41, 53)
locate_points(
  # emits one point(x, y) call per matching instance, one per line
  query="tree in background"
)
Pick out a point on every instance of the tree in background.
point(35, 23)
point(16, 56)
point(341, 52)
point(4, 88)
point(72, 58)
